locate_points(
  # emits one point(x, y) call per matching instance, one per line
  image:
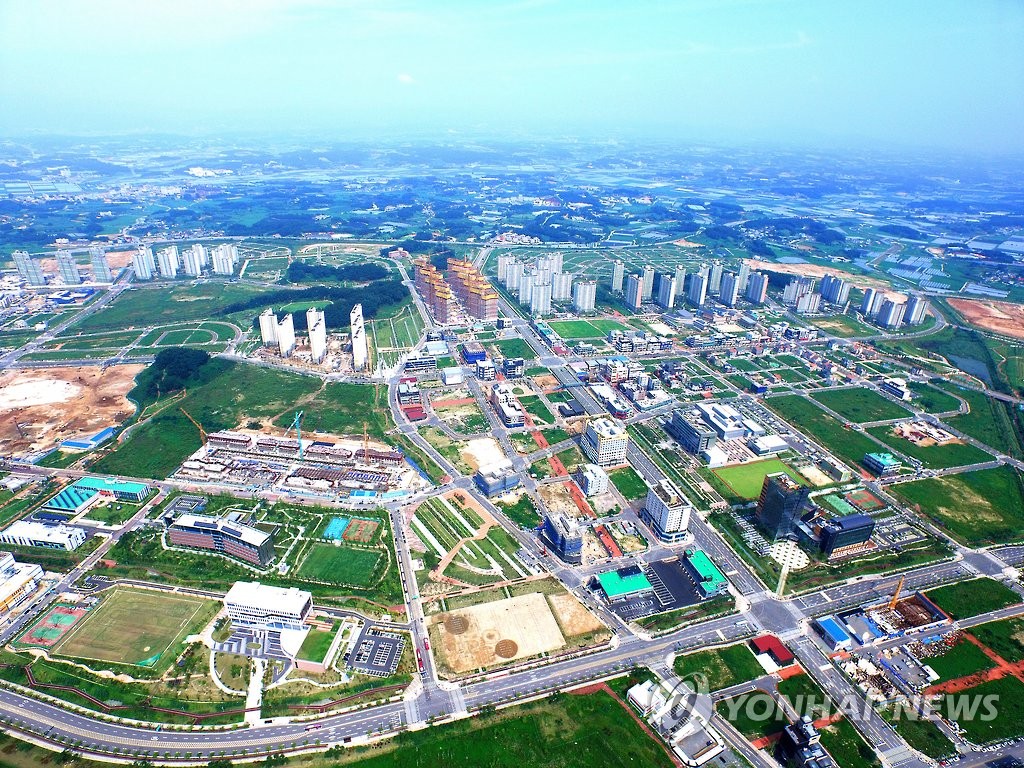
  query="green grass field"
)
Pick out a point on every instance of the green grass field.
point(982, 507)
point(932, 456)
point(991, 421)
point(847, 444)
point(860, 405)
point(755, 715)
point(137, 627)
point(316, 645)
point(922, 735)
point(1008, 699)
point(723, 667)
point(1004, 637)
point(515, 347)
point(932, 400)
point(338, 564)
point(629, 483)
point(974, 597)
point(964, 658)
point(746, 479)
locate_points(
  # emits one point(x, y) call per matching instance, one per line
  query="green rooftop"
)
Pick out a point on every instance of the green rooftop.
point(708, 571)
point(616, 585)
point(883, 459)
point(109, 484)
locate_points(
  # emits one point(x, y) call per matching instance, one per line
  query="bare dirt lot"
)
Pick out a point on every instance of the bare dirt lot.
point(572, 616)
point(61, 403)
point(498, 632)
point(818, 271)
point(999, 316)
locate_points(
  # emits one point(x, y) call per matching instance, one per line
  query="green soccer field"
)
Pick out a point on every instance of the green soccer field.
point(340, 564)
point(137, 627)
point(746, 479)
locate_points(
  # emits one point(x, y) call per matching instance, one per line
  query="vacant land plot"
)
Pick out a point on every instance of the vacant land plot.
point(515, 347)
point(847, 444)
point(1005, 637)
point(746, 479)
point(629, 483)
point(1002, 317)
point(143, 307)
point(723, 667)
point(972, 598)
point(137, 627)
point(336, 564)
point(932, 400)
point(983, 507)
point(953, 454)
point(755, 715)
point(498, 632)
point(991, 421)
point(860, 405)
point(1008, 722)
point(964, 658)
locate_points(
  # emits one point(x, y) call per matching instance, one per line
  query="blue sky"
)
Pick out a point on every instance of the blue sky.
point(931, 73)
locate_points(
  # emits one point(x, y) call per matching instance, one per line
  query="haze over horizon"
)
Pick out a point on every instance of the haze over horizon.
point(946, 74)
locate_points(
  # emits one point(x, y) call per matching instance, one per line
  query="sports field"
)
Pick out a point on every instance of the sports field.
point(585, 329)
point(340, 564)
point(137, 627)
point(746, 479)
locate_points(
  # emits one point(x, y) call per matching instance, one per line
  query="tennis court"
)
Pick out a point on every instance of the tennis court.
point(335, 529)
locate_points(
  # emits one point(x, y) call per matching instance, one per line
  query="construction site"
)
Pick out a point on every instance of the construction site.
point(466, 293)
point(362, 471)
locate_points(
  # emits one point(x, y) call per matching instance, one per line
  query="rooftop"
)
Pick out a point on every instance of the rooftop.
point(615, 584)
point(290, 600)
point(707, 570)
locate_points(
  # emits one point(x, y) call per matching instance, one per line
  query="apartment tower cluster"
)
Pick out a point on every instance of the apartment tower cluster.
point(464, 285)
point(539, 284)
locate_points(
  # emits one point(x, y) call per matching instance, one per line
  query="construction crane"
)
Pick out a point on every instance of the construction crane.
point(297, 426)
point(896, 596)
point(202, 432)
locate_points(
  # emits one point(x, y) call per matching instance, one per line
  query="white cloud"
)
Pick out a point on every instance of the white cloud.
point(405, 78)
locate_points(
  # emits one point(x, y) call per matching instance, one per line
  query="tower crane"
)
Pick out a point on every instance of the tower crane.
point(297, 426)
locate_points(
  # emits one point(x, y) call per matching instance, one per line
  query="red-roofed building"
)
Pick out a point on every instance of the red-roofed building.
point(771, 645)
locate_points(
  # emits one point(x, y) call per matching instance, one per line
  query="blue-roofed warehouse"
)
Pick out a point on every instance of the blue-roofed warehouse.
point(833, 634)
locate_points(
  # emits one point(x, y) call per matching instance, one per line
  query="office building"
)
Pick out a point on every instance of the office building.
point(871, 302)
point(506, 405)
point(635, 292)
point(143, 263)
point(591, 479)
point(896, 387)
point(727, 421)
point(68, 268)
point(268, 328)
point(513, 367)
point(564, 536)
point(286, 336)
point(253, 606)
point(618, 272)
point(691, 431)
point(561, 286)
point(192, 261)
point(225, 257)
point(697, 293)
point(28, 268)
point(710, 581)
point(605, 442)
point(496, 477)
point(316, 329)
point(890, 315)
point(18, 581)
point(729, 291)
point(540, 300)
point(799, 745)
point(100, 268)
point(882, 464)
point(667, 291)
point(835, 290)
point(648, 278)
point(715, 278)
point(844, 532)
point(584, 296)
point(29, 533)
point(667, 511)
point(757, 288)
point(168, 261)
point(780, 504)
point(357, 330)
point(222, 536)
point(917, 308)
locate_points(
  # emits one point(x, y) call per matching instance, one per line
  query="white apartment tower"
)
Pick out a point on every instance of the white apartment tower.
point(697, 293)
point(224, 259)
point(286, 336)
point(648, 275)
point(730, 289)
point(504, 259)
point(757, 288)
point(143, 263)
point(316, 329)
point(168, 261)
point(100, 268)
point(618, 273)
point(514, 275)
point(268, 328)
point(667, 291)
point(358, 333)
point(635, 292)
point(68, 268)
point(193, 263)
point(584, 296)
point(28, 268)
point(561, 286)
point(540, 300)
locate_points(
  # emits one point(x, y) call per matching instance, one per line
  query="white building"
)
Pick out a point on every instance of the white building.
point(504, 259)
point(605, 442)
point(561, 286)
point(251, 605)
point(68, 268)
point(757, 288)
point(168, 261)
point(358, 332)
point(648, 277)
point(100, 268)
point(584, 296)
point(890, 315)
point(286, 336)
point(618, 273)
point(667, 511)
point(592, 480)
point(28, 268)
point(193, 260)
point(225, 257)
point(697, 293)
point(17, 581)
point(917, 307)
point(514, 275)
point(540, 300)
point(268, 328)
point(635, 292)
point(29, 533)
point(730, 289)
point(316, 328)
point(667, 291)
point(143, 262)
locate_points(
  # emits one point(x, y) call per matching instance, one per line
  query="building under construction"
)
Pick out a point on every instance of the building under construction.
point(433, 289)
point(473, 289)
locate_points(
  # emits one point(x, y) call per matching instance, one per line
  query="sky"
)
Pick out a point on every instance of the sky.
point(901, 73)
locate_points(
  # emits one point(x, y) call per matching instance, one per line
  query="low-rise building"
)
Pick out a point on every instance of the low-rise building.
point(254, 606)
point(882, 464)
point(691, 431)
point(222, 536)
point(564, 536)
point(591, 479)
point(844, 532)
point(29, 533)
point(496, 477)
point(896, 387)
point(18, 581)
